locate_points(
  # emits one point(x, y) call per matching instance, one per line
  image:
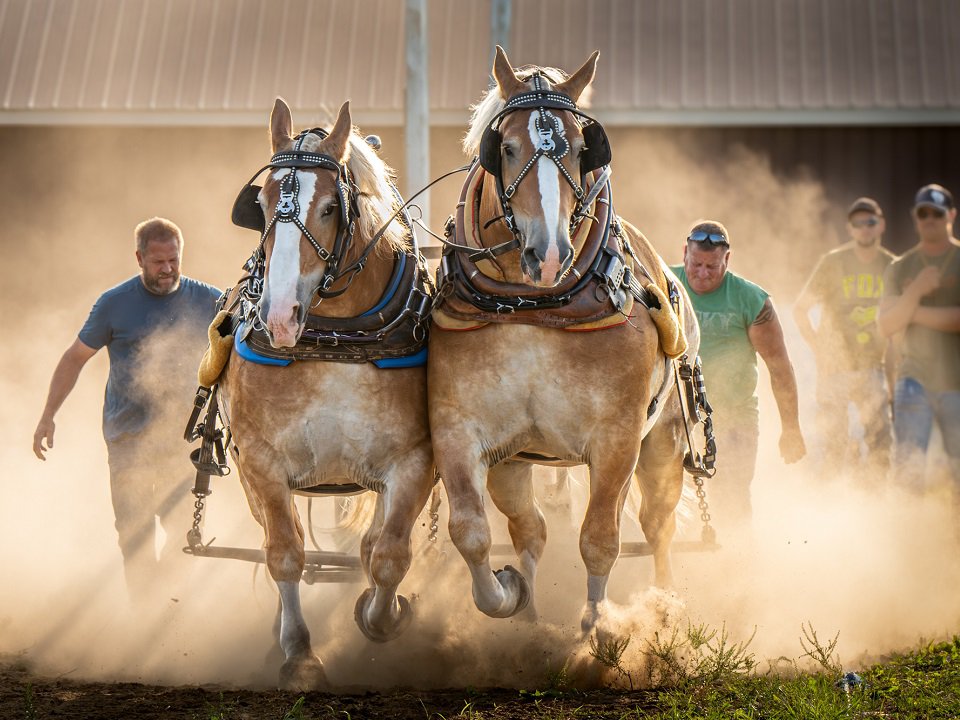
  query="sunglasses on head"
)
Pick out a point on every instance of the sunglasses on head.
point(925, 212)
point(702, 236)
point(866, 222)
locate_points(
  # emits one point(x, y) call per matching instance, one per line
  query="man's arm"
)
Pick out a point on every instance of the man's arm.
point(896, 312)
point(944, 319)
point(766, 335)
point(63, 381)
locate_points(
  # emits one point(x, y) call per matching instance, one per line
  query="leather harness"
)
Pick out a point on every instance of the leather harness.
point(595, 288)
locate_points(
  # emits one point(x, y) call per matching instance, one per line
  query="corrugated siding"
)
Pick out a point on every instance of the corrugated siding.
point(656, 55)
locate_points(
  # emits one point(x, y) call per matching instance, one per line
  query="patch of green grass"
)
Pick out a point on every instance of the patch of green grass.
point(923, 685)
point(223, 710)
point(29, 704)
point(296, 712)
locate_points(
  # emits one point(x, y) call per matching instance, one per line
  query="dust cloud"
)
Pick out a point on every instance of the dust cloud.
point(864, 560)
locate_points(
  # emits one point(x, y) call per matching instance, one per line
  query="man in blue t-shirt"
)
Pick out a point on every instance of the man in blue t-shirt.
point(737, 322)
point(154, 328)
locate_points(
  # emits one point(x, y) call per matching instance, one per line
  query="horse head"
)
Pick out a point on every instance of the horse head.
point(539, 148)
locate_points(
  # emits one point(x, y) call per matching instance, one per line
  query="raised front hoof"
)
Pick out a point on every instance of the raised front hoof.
point(514, 585)
point(303, 673)
point(381, 634)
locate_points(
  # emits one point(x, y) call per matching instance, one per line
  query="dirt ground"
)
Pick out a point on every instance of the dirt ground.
point(26, 694)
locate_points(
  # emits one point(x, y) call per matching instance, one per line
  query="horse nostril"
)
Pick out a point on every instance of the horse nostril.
point(532, 256)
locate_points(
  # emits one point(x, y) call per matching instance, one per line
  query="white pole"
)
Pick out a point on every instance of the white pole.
point(417, 106)
point(500, 12)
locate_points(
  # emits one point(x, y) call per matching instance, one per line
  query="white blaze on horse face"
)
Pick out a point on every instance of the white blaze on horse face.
point(548, 179)
point(283, 278)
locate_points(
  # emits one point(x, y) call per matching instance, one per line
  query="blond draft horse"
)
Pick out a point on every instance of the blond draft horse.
point(316, 423)
point(578, 397)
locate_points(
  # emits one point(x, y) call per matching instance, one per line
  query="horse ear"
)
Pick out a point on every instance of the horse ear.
point(281, 125)
point(574, 85)
point(506, 78)
point(337, 143)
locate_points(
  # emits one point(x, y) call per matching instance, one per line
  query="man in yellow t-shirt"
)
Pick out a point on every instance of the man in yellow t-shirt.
point(847, 285)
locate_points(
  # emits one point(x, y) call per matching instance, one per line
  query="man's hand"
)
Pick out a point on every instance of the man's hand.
point(792, 446)
point(926, 281)
point(43, 432)
point(62, 382)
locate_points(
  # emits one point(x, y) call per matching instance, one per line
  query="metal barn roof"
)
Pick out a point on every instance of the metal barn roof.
point(710, 62)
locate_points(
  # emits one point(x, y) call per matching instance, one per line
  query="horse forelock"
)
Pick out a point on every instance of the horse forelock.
point(373, 177)
point(491, 104)
point(377, 199)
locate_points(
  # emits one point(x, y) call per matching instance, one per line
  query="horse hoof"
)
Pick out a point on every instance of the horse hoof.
point(379, 634)
point(590, 617)
point(513, 581)
point(304, 673)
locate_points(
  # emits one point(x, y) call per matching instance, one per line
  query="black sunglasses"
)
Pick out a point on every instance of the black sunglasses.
point(702, 236)
point(866, 222)
point(925, 212)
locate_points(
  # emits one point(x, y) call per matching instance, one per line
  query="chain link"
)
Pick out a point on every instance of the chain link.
point(434, 514)
point(194, 536)
point(708, 534)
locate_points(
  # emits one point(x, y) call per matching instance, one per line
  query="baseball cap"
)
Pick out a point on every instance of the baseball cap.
point(865, 204)
point(935, 196)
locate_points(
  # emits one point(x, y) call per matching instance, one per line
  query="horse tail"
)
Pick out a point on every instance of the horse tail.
point(356, 513)
point(686, 510)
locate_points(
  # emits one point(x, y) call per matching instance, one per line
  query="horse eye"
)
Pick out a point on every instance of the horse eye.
point(329, 210)
point(508, 151)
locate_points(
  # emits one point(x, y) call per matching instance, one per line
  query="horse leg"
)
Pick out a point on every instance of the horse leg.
point(600, 532)
point(498, 594)
point(660, 477)
point(511, 488)
point(302, 669)
point(380, 613)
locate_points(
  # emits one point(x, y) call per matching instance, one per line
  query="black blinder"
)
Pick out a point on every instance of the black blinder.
point(596, 152)
point(490, 151)
point(247, 212)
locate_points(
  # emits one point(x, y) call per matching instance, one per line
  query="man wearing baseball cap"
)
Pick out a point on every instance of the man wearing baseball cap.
point(921, 307)
point(847, 284)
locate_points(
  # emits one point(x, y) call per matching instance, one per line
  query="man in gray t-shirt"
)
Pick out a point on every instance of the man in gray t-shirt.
point(154, 328)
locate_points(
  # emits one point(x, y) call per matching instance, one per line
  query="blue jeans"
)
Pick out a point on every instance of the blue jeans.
point(914, 411)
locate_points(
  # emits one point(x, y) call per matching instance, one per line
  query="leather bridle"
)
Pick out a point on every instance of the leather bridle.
point(552, 144)
point(248, 213)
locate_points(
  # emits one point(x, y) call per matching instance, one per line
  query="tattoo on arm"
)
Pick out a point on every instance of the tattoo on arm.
point(766, 314)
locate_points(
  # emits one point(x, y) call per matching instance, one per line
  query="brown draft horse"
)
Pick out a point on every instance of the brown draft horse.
point(510, 393)
point(316, 423)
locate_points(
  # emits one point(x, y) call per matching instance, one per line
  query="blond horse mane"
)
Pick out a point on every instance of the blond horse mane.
point(490, 105)
point(376, 198)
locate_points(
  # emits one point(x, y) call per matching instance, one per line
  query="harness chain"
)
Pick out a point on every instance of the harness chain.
point(695, 402)
point(209, 459)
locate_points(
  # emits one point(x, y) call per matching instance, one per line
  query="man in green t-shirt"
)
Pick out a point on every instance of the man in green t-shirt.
point(737, 321)
point(847, 284)
point(921, 310)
